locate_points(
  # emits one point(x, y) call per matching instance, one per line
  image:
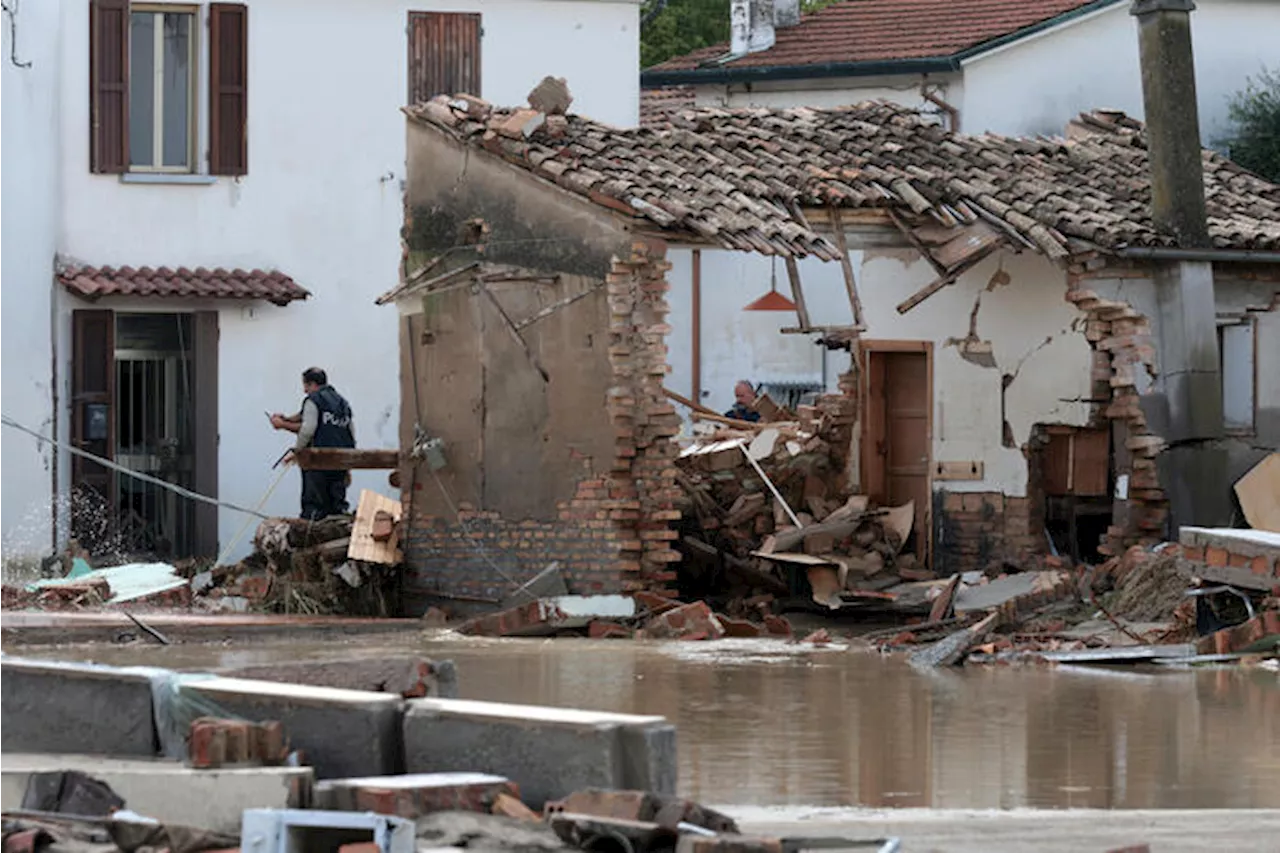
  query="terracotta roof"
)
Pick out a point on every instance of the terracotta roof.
point(739, 178)
point(878, 30)
point(95, 282)
point(658, 105)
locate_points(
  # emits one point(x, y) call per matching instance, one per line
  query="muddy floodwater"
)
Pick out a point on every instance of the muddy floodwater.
point(767, 723)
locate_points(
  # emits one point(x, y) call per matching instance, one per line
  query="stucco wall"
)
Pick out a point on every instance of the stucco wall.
point(1038, 84)
point(322, 202)
point(29, 237)
point(835, 92)
point(1034, 332)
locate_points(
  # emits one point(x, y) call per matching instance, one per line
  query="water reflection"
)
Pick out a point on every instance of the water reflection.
point(769, 725)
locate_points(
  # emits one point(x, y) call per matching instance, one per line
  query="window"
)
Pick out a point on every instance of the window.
point(444, 54)
point(1236, 350)
point(162, 113)
point(144, 81)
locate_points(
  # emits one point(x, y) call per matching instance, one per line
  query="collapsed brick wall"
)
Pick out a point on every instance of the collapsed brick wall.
point(981, 531)
point(615, 534)
point(1122, 342)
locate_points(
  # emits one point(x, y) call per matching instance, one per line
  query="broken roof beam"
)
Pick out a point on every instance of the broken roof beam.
point(846, 266)
point(345, 459)
point(797, 292)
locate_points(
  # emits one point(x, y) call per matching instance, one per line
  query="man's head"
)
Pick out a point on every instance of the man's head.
point(744, 392)
point(313, 379)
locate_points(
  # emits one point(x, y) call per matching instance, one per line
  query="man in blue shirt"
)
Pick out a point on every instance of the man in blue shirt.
point(744, 397)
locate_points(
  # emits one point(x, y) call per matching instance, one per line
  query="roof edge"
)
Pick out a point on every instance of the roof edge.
point(868, 68)
point(751, 74)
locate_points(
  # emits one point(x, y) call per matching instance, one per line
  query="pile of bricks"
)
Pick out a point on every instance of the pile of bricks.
point(1123, 353)
point(214, 742)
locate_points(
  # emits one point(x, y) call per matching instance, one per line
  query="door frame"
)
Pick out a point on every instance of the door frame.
point(867, 349)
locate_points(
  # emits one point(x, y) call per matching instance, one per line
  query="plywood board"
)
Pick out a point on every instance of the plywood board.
point(1259, 494)
point(363, 547)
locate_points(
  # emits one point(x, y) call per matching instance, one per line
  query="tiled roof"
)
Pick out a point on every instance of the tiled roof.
point(879, 30)
point(94, 282)
point(739, 178)
point(658, 105)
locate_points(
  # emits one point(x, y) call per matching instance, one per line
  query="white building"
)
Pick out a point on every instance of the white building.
point(258, 138)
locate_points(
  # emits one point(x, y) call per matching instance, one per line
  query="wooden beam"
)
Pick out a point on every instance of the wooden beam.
point(346, 459)
point(809, 330)
point(846, 265)
point(925, 292)
point(685, 401)
point(797, 294)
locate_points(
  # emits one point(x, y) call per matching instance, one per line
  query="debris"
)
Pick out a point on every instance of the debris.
point(642, 806)
point(687, 622)
point(943, 604)
point(434, 617)
point(952, 648)
point(551, 96)
point(152, 632)
point(70, 792)
point(1259, 494)
point(509, 806)
point(1150, 587)
point(373, 536)
point(130, 583)
point(547, 616)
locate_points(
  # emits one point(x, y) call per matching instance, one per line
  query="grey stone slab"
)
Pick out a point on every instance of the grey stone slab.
point(342, 732)
point(53, 706)
point(548, 752)
point(995, 593)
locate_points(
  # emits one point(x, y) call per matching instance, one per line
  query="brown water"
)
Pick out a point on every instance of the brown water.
point(765, 723)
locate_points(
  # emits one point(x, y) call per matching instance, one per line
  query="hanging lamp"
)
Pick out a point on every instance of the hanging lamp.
point(773, 300)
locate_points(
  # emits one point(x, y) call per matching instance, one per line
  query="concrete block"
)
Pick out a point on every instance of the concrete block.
point(54, 706)
point(169, 791)
point(409, 676)
point(342, 733)
point(416, 794)
point(294, 831)
point(548, 752)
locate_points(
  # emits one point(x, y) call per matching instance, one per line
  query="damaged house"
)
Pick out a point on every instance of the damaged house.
point(1039, 351)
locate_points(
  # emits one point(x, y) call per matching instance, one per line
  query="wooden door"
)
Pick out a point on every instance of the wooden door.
point(896, 449)
point(93, 422)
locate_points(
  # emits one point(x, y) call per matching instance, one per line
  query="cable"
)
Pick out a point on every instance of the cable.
point(235, 540)
point(146, 478)
point(479, 549)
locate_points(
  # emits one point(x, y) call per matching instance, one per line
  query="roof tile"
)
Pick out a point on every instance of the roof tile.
point(739, 176)
point(96, 282)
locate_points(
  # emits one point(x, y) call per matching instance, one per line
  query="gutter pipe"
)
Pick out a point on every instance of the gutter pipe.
point(1227, 256)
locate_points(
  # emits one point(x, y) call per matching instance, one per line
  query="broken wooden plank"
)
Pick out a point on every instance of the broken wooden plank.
point(345, 459)
point(942, 604)
point(685, 401)
point(797, 293)
point(846, 266)
point(925, 292)
point(556, 306)
point(952, 648)
point(363, 546)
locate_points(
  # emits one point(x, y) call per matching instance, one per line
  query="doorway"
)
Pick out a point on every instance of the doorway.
point(897, 434)
point(144, 396)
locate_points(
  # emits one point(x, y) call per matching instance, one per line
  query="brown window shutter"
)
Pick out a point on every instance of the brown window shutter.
point(228, 89)
point(444, 54)
point(93, 374)
point(109, 86)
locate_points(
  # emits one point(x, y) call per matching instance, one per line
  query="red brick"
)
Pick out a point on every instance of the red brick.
point(1193, 552)
point(1216, 556)
point(688, 622)
point(1260, 565)
point(1231, 640)
point(739, 627)
point(608, 630)
point(207, 744)
point(1238, 561)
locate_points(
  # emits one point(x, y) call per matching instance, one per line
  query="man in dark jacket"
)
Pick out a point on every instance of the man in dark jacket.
point(744, 401)
point(324, 421)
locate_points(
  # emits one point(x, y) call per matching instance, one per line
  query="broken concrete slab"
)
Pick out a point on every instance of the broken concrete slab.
point(546, 616)
point(343, 733)
point(548, 752)
point(168, 791)
point(415, 794)
point(302, 831)
point(410, 676)
point(56, 706)
point(1033, 588)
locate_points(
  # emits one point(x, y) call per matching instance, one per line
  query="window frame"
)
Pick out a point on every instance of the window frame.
point(194, 105)
point(1237, 321)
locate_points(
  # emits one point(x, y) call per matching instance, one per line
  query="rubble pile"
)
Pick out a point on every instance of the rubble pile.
point(767, 514)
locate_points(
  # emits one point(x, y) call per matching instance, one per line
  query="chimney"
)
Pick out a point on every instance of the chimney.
point(786, 13)
point(1173, 125)
point(750, 26)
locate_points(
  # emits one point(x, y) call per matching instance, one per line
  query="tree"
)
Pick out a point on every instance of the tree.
point(1254, 140)
point(675, 27)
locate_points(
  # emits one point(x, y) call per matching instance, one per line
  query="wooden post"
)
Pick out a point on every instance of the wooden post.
point(696, 367)
point(846, 265)
point(797, 294)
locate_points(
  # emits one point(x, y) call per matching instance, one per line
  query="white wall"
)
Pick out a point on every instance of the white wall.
point(1038, 84)
point(837, 92)
point(322, 202)
point(28, 234)
point(1036, 335)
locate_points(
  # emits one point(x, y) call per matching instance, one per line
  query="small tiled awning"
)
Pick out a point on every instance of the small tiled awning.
point(96, 282)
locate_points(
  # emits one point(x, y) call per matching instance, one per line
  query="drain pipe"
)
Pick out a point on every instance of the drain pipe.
point(1162, 253)
point(953, 114)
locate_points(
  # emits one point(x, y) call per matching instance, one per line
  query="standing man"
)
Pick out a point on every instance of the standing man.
point(324, 421)
point(744, 401)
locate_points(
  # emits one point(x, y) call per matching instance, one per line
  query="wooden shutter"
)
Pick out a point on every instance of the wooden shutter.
point(109, 86)
point(228, 89)
point(444, 54)
point(205, 391)
point(93, 422)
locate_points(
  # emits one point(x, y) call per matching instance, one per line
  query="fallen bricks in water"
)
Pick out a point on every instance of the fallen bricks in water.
point(1259, 634)
point(546, 616)
point(688, 622)
point(663, 809)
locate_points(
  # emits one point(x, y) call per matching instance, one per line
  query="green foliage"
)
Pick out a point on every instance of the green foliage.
point(676, 27)
point(1254, 140)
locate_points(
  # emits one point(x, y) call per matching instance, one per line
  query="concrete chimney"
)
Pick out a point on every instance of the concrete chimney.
point(750, 26)
point(786, 13)
point(1173, 124)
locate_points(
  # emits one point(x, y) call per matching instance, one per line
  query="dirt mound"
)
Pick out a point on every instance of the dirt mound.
point(1152, 589)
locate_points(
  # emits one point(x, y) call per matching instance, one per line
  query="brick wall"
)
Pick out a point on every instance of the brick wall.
point(615, 534)
point(976, 531)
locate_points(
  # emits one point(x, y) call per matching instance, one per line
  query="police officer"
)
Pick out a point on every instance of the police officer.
point(324, 421)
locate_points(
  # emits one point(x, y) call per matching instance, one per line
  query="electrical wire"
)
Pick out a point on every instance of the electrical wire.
point(479, 549)
point(146, 478)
